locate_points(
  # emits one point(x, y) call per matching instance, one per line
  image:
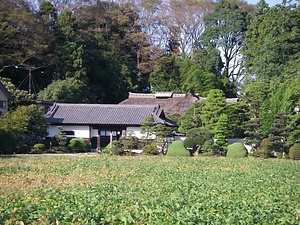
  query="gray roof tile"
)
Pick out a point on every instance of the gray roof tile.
point(104, 114)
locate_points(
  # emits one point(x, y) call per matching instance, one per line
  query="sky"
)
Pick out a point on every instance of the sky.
point(270, 2)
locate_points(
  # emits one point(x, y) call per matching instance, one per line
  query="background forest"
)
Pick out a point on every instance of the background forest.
point(93, 51)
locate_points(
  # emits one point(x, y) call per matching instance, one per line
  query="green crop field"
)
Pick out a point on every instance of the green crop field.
point(97, 189)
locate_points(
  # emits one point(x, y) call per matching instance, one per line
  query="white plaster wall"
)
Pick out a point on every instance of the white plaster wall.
point(79, 131)
point(137, 132)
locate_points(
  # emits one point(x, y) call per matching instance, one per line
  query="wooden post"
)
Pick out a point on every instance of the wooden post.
point(98, 142)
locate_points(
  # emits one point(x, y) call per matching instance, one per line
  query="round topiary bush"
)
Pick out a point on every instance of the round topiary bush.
point(149, 150)
point(294, 152)
point(38, 149)
point(236, 150)
point(189, 143)
point(177, 149)
point(78, 145)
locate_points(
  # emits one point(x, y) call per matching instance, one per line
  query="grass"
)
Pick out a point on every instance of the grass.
point(101, 189)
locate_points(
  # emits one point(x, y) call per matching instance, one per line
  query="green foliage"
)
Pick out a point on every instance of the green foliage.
point(149, 150)
point(177, 149)
point(224, 29)
point(294, 152)
point(208, 147)
point(238, 115)
point(38, 149)
point(147, 127)
point(265, 148)
point(268, 50)
point(26, 124)
point(61, 139)
point(68, 91)
point(78, 145)
point(163, 188)
point(189, 143)
point(117, 148)
point(253, 133)
point(255, 93)
point(21, 97)
point(196, 79)
point(196, 139)
point(191, 118)
point(8, 142)
point(279, 133)
point(214, 106)
point(221, 133)
point(106, 150)
point(236, 150)
point(294, 129)
point(166, 76)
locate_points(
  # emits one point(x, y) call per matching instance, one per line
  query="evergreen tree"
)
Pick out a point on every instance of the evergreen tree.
point(214, 106)
point(221, 133)
point(279, 133)
point(254, 133)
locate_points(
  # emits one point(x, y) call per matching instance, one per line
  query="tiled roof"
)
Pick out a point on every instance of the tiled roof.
point(104, 114)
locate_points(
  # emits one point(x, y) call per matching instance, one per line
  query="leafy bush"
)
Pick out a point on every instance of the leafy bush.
point(149, 150)
point(117, 148)
point(189, 143)
point(208, 146)
point(236, 150)
point(7, 143)
point(177, 149)
point(294, 152)
point(264, 150)
point(38, 149)
point(78, 145)
point(129, 142)
point(106, 150)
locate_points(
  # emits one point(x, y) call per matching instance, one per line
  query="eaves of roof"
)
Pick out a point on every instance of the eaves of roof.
point(103, 114)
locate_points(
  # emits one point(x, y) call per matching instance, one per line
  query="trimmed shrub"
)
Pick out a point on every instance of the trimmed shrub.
point(177, 149)
point(236, 150)
point(78, 145)
point(189, 143)
point(149, 150)
point(116, 151)
point(117, 148)
point(294, 152)
point(264, 150)
point(208, 147)
point(106, 150)
point(38, 149)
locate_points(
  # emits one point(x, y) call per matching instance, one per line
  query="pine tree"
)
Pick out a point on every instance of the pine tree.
point(279, 133)
point(221, 133)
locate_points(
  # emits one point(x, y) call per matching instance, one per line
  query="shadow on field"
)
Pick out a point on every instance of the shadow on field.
point(9, 156)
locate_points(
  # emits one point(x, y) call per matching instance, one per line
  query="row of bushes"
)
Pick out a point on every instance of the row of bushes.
point(235, 150)
point(76, 145)
point(177, 148)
